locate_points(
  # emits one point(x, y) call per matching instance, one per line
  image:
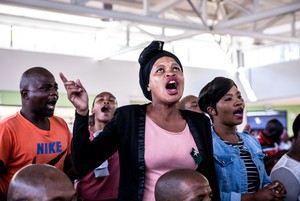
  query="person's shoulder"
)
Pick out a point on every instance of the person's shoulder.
point(195, 116)
point(58, 121)
point(284, 167)
point(192, 113)
point(133, 107)
point(57, 118)
point(247, 136)
point(9, 119)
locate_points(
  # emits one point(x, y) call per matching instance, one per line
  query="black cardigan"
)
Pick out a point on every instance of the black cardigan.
point(125, 133)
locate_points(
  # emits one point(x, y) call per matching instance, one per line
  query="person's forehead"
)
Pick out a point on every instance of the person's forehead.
point(42, 80)
point(164, 59)
point(191, 100)
point(105, 94)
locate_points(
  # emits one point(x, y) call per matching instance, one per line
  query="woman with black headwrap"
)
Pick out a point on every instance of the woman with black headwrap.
point(152, 138)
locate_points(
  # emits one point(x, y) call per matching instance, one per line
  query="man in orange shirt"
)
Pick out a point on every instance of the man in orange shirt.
point(33, 135)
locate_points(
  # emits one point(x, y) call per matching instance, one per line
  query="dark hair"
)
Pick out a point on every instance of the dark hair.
point(212, 92)
point(273, 130)
point(296, 126)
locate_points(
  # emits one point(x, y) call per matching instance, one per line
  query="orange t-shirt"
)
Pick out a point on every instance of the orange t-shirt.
point(22, 143)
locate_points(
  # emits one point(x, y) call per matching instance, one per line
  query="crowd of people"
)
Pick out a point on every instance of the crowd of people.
point(171, 148)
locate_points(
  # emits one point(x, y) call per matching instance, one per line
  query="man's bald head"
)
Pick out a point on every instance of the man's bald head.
point(190, 102)
point(31, 74)
point(40, 182)
point(182, 185)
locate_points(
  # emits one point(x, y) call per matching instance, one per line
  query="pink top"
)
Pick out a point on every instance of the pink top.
point(165, 151)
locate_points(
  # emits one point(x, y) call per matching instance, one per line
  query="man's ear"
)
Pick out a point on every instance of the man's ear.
point(211, 111)
point(92, 111)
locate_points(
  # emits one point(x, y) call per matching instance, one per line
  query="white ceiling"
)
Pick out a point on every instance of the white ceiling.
point(264, 21)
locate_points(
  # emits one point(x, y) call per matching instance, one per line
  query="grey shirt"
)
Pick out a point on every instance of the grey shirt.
point(287, 170)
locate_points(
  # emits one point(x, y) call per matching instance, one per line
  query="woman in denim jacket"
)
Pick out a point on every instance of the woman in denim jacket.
point(238, 156)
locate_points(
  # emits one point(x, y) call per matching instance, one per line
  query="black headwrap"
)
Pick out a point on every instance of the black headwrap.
point(147, 58)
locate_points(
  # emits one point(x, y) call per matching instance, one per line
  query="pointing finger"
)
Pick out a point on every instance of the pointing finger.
point(62, 77)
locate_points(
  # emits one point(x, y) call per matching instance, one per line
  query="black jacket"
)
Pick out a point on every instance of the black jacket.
point(125, 133)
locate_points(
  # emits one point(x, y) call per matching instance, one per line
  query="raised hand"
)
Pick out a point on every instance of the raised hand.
point(247, 128)
point(76, 94)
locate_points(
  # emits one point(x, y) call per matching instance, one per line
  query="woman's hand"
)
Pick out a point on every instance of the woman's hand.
point(76, 94)
point(274, 191)
point(277, 187)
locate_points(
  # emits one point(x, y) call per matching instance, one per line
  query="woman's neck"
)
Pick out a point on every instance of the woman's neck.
point(166, 117)
point(226, 133)
point(166, 111)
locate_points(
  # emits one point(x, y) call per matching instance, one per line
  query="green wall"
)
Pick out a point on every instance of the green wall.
point(292, 112)
point(10, 98)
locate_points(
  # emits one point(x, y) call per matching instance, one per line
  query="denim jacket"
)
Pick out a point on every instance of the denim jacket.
point(230, 168)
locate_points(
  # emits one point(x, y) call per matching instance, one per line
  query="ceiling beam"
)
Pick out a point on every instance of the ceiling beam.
point(163, 38)
point(225, 27)
point(88, 11)
point(257, 35)
point(258, 16)
point(164, 6)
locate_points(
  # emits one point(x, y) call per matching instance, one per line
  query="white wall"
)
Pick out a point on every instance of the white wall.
point(121, 78)
point(118, 77)
point(276, 81)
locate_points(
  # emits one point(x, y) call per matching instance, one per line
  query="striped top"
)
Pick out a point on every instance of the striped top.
point(252, 172)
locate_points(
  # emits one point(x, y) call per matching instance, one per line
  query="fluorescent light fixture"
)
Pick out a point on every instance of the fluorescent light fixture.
point(246, 85)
